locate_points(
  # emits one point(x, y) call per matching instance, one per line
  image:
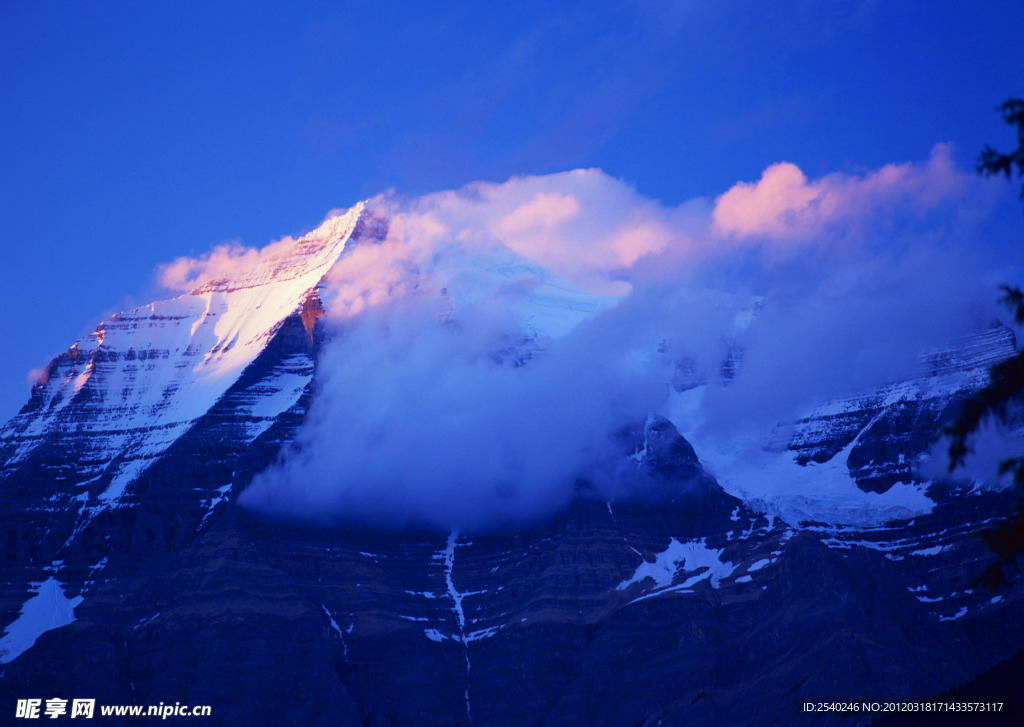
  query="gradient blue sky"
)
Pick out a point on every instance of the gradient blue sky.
point(132, 133)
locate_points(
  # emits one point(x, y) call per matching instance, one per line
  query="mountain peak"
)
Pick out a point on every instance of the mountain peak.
point(123, 394)
point(291, 259)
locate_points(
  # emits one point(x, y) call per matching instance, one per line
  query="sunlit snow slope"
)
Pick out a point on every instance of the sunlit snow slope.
point(121, 395)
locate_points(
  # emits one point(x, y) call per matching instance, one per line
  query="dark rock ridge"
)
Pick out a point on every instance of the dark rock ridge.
point(891, 429)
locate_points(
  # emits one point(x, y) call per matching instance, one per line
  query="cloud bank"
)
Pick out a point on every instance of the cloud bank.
point(784, 205)
point(481, 358)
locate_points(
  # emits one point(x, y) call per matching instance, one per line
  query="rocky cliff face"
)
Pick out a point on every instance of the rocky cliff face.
point(689, 605)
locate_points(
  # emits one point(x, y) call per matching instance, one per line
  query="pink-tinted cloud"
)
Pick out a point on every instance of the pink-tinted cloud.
point(583, 225)
point(543, 211)
point(375, 275)
point(785, 205)
point(188, 273)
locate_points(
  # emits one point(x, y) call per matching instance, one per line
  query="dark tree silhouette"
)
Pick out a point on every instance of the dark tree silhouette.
point(1005, 391)
point(992, 162)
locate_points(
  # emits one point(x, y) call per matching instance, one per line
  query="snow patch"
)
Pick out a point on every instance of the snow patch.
point(482, 634)
point(434, 635)
point(49, 609)
point(425, 594)
point(221, 496)
point(681, 557)
point(758, 565)
point(955, 616)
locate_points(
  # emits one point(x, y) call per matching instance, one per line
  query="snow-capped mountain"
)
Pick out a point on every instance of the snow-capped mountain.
point(119, 397)
point(822, 567)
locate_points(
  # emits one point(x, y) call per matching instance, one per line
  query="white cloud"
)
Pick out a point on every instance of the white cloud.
point(582, 225)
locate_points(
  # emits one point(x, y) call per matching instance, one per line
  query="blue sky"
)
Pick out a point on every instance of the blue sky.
point(133, 133)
